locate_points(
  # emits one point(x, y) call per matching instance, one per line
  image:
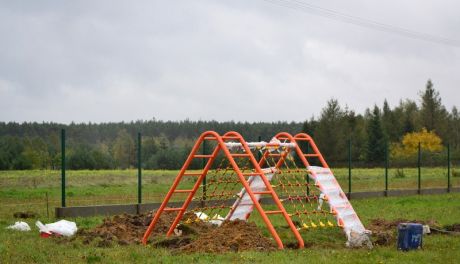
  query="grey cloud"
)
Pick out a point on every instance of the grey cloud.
point(242, 60)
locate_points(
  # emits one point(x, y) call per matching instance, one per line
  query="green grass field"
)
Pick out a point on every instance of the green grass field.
point(23, 190)
point(328, 244)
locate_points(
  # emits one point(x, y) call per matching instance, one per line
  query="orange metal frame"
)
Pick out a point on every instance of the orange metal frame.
point(220, 146)
point(317, 154)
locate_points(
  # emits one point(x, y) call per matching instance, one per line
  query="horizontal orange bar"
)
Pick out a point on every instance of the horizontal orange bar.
point(183, 191)
point(240, 155)
point(192, 173)
point(202, 156)
point(173, 209)
point(273, 212)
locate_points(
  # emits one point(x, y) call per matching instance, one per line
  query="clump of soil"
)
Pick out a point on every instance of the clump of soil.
point(454, 228)
point(384, 231)
point(25, 215)
point(230, 236)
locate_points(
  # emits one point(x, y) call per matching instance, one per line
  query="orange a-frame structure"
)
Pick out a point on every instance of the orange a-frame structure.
point(221, 146)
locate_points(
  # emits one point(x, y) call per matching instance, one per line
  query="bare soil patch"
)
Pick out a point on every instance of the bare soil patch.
point(384, 232)
point(195, 236)
point(231, 236)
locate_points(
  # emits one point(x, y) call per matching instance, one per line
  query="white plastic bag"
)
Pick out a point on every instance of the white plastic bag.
point(62, 227)
point(20, 226)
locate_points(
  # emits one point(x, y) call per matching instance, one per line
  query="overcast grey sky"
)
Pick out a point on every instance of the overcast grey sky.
point(247, 60)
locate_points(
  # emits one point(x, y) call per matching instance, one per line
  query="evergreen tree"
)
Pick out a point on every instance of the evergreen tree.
point(375, 138)
point(410, 117)
point(309, 126)
point(329, 133)
point(390, 124)
point(433, 114)
point(454, 128)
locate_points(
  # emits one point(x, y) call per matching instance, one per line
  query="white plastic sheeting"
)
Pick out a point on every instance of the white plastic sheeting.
point(244, 204)
point(20, 226)
point(62, 227)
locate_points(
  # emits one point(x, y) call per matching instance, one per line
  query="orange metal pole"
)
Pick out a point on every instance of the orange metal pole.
point(297, 148)
point(175, 184)
point(196, 186)
point(306, 137)
point(269, 188)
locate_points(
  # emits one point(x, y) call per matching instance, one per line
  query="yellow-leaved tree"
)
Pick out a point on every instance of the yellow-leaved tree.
point(408, 147)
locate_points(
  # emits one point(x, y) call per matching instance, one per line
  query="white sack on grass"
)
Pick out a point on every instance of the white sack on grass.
point(62, 227)
point(20, 226)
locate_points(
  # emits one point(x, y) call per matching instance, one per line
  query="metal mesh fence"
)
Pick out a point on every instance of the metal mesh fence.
point(40, 190)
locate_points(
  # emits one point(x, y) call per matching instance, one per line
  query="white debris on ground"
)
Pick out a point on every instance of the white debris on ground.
point(359, 240)
point(215, 220)
point(62, 227)
point(426, 229)
point(20, 226)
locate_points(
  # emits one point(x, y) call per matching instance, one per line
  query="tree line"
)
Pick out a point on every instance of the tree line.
point(166, 144)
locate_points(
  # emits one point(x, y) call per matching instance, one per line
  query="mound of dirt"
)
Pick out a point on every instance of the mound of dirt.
point(124, 229)
point(384, 231)
point(25, 215)
point(195, 236)
point(230, 236)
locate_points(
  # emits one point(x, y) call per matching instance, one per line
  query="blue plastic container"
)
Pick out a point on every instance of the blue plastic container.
point(409, 236)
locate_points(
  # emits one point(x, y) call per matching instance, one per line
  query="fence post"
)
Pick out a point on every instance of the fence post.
point(448, 167)
point(386, 168)
point(139, 168)
point(349, 169)
point(203, 161)
point(63, 202)
point(419, 160)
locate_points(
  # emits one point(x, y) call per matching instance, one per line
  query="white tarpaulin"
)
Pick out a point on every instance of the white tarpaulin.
point(244, 205)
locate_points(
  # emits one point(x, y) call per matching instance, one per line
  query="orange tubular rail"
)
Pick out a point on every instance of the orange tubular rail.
point(211, 135)
point(306, 137)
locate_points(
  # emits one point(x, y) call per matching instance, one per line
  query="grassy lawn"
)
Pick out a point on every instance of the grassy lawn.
point(328, 244)
point(23, 190)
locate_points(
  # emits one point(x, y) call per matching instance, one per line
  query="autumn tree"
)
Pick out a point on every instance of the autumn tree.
point(408, 147)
